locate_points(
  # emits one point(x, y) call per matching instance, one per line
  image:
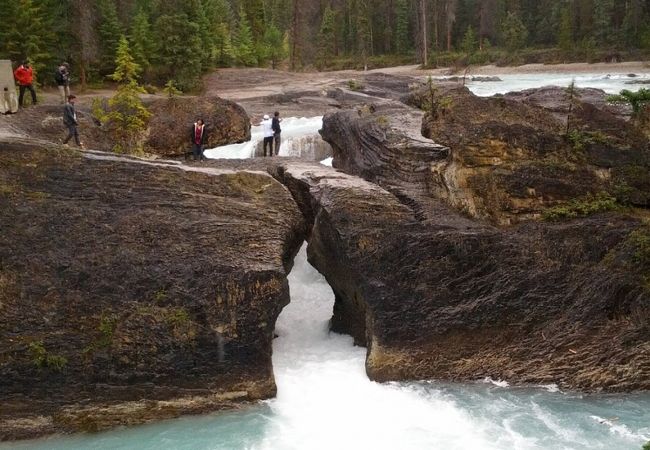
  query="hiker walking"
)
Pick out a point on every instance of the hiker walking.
point(24, 75)
point(199, 135)
point(267, 128)
point(62, 78)
point(276, 132)
point(70, 121)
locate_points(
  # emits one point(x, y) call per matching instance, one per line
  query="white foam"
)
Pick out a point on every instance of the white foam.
point(611, 84)
point(499, 383)
point(293, 130)
point(327, 161)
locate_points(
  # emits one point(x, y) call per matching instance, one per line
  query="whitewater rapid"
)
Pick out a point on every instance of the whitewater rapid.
point(298, 133)
point(325, 401)
point(610, 83)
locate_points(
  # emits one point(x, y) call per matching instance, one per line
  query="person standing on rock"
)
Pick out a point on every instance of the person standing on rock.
point(70, 121)
point(199, 135)
point(62, 78)
point(267, 128)
point(275, 125)
point(24, 75)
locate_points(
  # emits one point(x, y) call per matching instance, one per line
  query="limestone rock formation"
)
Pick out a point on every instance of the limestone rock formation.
point(133, 291)
point(170, 126)
point(503, 160)
point(537, 303)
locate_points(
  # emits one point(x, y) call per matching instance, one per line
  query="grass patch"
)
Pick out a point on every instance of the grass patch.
point(355, 85)
point(160, 295)
point(177, 318)
point(582, 208)
point(580, 140)
point(640, 241)
point(42, 359)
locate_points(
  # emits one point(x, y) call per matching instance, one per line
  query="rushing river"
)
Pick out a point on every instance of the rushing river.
point(611, 83)
point(325, 401)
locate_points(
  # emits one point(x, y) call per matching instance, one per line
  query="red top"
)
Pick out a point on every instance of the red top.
point(198, 131)
point(24, 75)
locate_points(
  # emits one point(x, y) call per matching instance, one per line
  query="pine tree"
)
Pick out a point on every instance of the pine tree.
point(401, 26)
point(470, 43)
point(223, 52)
point(243, 41)
point(197, 15)
point(602, 13)
point(326, 37)
point(513, 32)
point(180, 52)
point(565, 34)
point(25, 33)
point(125, 116)
point(364, 31)
point(142, 42)
point(273, 46)
point(110, 31)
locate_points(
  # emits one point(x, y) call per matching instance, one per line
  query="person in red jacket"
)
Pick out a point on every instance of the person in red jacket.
point(24, 75)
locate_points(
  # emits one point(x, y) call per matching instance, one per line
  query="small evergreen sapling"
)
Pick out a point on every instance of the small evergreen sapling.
point(124, 115)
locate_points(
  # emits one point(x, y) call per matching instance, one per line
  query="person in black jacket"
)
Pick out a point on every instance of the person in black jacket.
point(70, 121)
point(276, 132)
point(199, 135)
point(62, 78)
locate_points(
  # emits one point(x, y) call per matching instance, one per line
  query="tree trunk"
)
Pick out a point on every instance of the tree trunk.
point(294, 33)
point(425, 49)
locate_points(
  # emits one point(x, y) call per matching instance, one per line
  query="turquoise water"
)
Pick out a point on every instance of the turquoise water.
point(325, 401)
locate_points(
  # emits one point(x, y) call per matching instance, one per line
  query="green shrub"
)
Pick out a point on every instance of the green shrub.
point(355, 85)
point(640, 241)
point(581, 208)
point(41, 358)
point(160, 295)
point(646, 446)
point(177, 317)
point(579, 140)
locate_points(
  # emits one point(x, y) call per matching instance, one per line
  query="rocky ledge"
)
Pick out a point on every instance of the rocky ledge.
point(458, 300)
point(132, 291)
point(167, 134)
point(455, 276)
point(500, 159)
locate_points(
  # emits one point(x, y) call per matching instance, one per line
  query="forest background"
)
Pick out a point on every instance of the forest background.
point(180, 40)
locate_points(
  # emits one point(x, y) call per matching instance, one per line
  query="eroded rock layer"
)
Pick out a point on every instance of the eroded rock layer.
point(132, 291)
point(505, 159)
point(538, 303)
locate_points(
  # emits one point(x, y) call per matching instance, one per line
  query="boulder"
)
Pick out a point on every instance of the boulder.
point(170, 127)
point(440, 299)
point(132, 291)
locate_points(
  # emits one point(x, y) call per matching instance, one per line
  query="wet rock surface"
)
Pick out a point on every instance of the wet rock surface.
point(538, 303)
point(132, 291)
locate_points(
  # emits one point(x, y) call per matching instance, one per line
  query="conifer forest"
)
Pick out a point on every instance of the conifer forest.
point(182, 39)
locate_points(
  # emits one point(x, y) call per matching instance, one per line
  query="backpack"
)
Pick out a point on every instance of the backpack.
point(58, 76)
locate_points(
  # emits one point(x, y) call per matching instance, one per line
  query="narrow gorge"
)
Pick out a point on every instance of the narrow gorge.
point(137, 290)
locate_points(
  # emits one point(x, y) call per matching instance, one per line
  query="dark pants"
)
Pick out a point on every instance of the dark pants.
point(268, 142)
point(197, 151)
point(72, 132)
point(22, 94)
point(276, 141)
